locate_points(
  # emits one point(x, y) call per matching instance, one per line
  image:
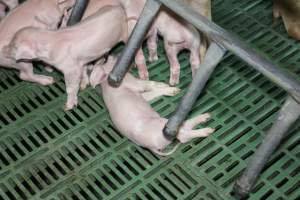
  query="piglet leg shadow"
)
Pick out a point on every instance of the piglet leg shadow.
point(186, 132)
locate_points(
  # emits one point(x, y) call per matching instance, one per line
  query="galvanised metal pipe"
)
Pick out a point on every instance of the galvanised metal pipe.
point(77, 12)
point(237, 46)
point(213, 56)
point(134, 43)
point(288, 114)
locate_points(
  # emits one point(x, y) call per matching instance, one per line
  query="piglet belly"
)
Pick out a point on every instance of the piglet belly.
point(128, 111)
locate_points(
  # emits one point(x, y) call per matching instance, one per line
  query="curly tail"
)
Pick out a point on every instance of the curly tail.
point(167, 153)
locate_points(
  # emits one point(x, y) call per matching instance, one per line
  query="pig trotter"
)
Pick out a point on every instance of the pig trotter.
point(72, 80)
point(48, 69)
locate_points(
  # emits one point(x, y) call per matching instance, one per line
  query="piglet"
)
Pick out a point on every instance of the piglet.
point(135, 118)
point(70, 49)
point(37, 13)
point(289, 10)
point(177, 35)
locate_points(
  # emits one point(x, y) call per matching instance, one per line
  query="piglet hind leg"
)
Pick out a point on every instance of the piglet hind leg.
point(72, 80)
point(85, 79)
point(26, 74)
point(152, 46)
point(174, 64)
point(186, 132)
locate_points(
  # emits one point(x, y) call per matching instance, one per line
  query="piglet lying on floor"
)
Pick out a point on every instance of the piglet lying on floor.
point(135, 118)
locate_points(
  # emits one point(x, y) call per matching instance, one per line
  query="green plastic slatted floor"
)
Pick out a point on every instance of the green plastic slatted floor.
point(46, 153)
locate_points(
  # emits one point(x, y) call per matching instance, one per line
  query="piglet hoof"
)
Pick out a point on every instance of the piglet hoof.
point(46, 80)
point(209, 131)
point(172, 91)
point(173, 83)
point(49, 69)
point(144, 76)
point(153, 58)
point(174, 80)
point(83, 85)
point(70, 105)
point(206, 117)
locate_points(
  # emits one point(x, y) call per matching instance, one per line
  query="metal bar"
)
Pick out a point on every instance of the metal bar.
point(238, 47)
point(213, 56)
point(134, 43)
point(77, 12)
point(288, 114)
point(215, 32)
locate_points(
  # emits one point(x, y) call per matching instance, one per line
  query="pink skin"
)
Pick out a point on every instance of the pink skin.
point(92, 8)
point(135, 118)
point(70, 49)
point(289, 10)
point(202, 7)
point(36, 13)
point(177, 34)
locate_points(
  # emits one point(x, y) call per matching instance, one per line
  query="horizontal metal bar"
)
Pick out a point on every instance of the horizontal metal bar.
point(134, 43)
point(238, 47)
point(288, 114)
point(213, 56)
point(77, 12)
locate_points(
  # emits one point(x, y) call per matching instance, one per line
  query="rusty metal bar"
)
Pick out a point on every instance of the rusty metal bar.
point(287, 116)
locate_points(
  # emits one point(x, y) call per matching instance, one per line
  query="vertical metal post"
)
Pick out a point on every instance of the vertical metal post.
point(213, 56)
point(134, 43)
point(77, 12)
point(288, 114)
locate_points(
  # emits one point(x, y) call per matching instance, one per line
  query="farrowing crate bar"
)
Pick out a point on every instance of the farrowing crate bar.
point(221, 40)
